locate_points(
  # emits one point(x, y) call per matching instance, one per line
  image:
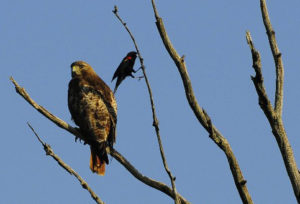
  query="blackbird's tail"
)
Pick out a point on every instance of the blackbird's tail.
point(119, 80)
point(116, 87)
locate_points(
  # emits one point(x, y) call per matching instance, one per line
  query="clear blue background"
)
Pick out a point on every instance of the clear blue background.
point(40, 39)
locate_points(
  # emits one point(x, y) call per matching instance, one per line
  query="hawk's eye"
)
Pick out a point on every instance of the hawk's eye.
point(81, 66)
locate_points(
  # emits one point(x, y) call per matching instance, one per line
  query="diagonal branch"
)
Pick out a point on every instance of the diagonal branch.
point(150, 182)
point(155, 121)
point(202, 117)
point(62, 124)
point(277, 58)
point(49, 152)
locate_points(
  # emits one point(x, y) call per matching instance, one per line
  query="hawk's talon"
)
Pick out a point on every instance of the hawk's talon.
point(76, 138)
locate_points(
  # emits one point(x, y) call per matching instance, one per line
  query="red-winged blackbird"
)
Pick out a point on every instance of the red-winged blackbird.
point(125, 69)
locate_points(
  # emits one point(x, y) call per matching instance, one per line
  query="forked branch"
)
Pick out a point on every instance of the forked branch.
point(274, 115)
point(62, 124)
point(258, 81)
point(201, 115)
point(155, 120)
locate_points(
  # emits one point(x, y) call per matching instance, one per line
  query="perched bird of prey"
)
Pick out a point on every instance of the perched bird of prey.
point(94, 109)
point(125, 69)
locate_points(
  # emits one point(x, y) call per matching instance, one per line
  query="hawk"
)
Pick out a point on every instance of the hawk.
point(94, 109)
point(125, 69)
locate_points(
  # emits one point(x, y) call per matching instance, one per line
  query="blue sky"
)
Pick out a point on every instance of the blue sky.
point(39, 41)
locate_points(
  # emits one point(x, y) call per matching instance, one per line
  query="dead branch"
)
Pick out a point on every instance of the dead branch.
point(274, 115)
point(277, 58)
point(258, 81)
point(62, 124)
point(150, 182)
point(50, 152)
point(202, 117)
point(155, 120)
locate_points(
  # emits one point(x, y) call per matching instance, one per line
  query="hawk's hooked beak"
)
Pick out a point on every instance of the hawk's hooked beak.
point(75, 70)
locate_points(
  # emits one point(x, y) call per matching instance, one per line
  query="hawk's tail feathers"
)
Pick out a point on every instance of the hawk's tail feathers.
point(97, 164)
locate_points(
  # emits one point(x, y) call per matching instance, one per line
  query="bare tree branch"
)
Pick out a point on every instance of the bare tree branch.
point(202, 117)
point(277, 58)
point(258, 81)
point(49, 152)
point(62, 124)
point(155, 120)
point(150, 182)
point(274, 116)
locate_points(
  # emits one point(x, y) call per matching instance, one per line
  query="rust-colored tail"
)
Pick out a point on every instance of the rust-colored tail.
point(97, 165)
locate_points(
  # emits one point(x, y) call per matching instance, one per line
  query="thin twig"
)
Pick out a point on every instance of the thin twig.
point(62, 124)
point(201, 115)
point(39, 139)
point(277, 58)
point(50, 152)
point(155, 120)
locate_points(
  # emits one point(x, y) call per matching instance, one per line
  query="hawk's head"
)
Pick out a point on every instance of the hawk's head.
point(80, 68)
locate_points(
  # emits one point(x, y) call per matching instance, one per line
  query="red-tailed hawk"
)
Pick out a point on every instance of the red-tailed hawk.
point(94, 109)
